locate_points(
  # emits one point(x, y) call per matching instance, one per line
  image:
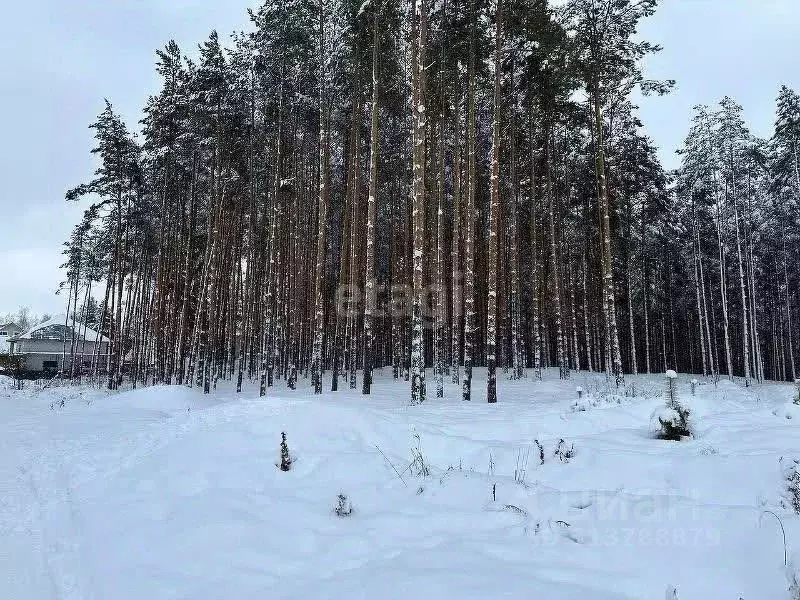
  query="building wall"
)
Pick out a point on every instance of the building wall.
point(36, 362)
point(56, 346)
point(38, 352)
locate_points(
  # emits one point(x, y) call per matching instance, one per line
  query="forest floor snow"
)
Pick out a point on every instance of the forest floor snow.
point(164, 493)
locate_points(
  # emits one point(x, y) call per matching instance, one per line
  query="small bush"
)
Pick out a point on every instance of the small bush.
point(343, 508)
point(673, 419)
point(286, 458)
point(793, 575)
point(563, 453)
point(674, 423)
point(792, 475)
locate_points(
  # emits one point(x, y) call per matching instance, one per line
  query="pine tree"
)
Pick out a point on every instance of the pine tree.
point(418, 58)
point(494, 215)
point(260, 181)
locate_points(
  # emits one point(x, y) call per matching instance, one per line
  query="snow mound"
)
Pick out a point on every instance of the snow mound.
point(113, 499)
point(167, 399)
point(788, 410)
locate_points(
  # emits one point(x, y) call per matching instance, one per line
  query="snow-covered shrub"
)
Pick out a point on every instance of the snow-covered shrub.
point(673, 422)
point(794, 586)
point(791, 474)
point(563, 453)
point(286, 458)
point(793, 576)
point(343, 508)
point(797, 392)
point(694, 386)
point(673, 417)
point(541, 451)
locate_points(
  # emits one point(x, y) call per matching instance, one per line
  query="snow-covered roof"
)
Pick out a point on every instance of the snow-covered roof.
point(57, 325)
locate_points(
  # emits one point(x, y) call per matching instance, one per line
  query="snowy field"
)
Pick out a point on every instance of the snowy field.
point(163, 493)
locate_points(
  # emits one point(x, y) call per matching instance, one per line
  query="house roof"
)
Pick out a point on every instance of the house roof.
point(10, 325)
point(90, 335)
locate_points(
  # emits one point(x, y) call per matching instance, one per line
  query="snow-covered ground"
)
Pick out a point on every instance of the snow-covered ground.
point(166, 493)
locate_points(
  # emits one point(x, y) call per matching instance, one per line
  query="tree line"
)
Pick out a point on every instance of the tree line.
point(432, 186)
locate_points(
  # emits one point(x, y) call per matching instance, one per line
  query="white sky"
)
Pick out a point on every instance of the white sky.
point(60, 58)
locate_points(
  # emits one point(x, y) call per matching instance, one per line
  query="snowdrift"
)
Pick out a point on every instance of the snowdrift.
point(166, 493)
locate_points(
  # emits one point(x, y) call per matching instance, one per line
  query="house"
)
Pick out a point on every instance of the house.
point(48, 346)
point(8, 331)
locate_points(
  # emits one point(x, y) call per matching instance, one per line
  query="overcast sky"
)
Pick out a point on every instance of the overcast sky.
point(60, 58)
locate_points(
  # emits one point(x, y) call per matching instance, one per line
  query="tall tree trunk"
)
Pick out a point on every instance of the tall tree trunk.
point(456, 284)
point(612, 334)
point(322, 215)
point(494, 218)
point(469, 222)
point(418, 201)
point(742, 288)
point(723, 290)
point(370, 287)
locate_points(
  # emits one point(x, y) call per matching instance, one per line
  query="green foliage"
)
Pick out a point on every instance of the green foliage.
point(675, 426)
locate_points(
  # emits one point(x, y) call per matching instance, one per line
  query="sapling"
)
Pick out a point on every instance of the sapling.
point(286, 459)
point(794, 583)
point(674, 421)
point(792, 476)
point(344, 508)
point(563, 453)
point(672, 384)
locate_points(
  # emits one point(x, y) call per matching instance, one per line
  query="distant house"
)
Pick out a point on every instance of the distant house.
point(47, 346)
point(8, 331)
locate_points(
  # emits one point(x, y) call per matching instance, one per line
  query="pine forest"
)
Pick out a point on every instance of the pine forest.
point(426, 187)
